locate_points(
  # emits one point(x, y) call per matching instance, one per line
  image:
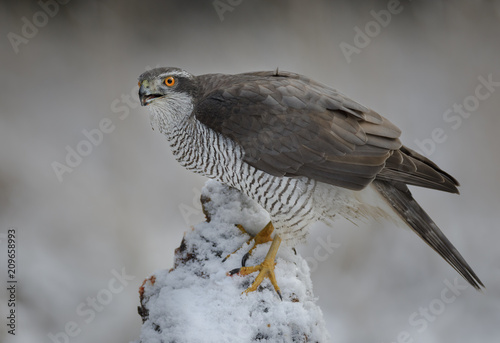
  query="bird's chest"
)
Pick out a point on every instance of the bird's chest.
point(206, 152)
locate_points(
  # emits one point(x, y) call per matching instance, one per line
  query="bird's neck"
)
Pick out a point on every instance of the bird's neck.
point(170, 113)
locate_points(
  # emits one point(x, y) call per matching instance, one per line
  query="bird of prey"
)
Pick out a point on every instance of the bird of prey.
point(301, 149)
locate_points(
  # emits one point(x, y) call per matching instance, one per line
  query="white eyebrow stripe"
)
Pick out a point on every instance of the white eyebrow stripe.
point(176, 73)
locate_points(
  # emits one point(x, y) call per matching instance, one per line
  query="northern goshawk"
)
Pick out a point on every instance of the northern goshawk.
point(300, 149)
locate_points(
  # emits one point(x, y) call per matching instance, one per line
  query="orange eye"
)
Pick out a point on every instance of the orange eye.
point(139, 83)
point(170, 81)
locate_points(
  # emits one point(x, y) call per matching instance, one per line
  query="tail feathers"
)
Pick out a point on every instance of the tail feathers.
point(400, 199)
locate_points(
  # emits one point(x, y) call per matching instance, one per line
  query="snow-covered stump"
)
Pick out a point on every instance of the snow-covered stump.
point(196, 301)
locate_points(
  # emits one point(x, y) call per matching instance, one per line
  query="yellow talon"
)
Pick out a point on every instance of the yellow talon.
point(263, 236)
point(266, 268)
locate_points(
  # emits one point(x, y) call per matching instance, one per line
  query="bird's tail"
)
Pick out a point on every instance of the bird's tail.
point(398, 196)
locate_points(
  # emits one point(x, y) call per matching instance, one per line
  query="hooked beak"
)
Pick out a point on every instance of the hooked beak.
point(146, 96)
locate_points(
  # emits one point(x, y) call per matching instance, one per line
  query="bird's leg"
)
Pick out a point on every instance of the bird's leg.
point(263, 236)
point(266, 268)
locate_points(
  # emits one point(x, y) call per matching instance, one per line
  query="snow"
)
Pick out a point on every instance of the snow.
point(197, 301)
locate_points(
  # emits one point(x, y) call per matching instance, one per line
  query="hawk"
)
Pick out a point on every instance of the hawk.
point(301, 149)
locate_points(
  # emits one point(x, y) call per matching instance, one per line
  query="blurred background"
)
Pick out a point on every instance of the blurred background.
point(93, 192)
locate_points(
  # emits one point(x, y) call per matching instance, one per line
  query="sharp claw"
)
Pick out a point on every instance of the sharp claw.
point(234, 271)
point(244, 259)
point(279, 293)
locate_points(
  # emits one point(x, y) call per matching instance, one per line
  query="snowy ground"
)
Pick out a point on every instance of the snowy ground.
point(197, 302)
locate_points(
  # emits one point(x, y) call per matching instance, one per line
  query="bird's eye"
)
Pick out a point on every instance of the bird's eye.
point(139, 83)
point(170, 81)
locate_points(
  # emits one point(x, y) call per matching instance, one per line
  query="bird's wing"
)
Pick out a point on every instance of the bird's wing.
point(409, 167)
point(289, 125)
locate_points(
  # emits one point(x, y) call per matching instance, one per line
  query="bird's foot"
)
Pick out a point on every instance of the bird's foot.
point(263, 236)
point(265, 269)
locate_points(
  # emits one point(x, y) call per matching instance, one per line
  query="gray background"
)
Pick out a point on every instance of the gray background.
point(120, 207)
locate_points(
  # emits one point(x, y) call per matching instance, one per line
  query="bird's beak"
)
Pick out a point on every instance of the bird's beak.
point(146, 95)
point(143, 96)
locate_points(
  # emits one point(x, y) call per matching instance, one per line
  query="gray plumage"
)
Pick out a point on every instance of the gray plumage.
point(302, 150)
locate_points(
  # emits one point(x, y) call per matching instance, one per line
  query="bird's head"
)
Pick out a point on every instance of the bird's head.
point(165, 85)
point(169, 93)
